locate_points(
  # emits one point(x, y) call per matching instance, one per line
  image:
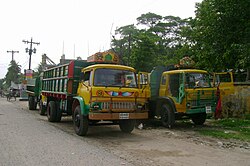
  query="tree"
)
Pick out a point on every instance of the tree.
point(122, 42)
point(38, 70)
point(144, 53)
point(155, 40)
point(149, 19)
point(13, 73)
point(222, 34)
point(1, 83)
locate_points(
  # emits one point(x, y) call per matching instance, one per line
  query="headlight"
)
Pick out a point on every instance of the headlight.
point(139, 106)
point(96, 105)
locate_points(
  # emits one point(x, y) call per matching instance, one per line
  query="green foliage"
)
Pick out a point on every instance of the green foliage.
point(149, 19)
point(228, 129)
point(38, 70)
point(222, 34)
point(1, 83)
point(233, 123)
point(123, 45)
point(13, 73)
point(217, 39)
point(144, 53)
point(156, 40)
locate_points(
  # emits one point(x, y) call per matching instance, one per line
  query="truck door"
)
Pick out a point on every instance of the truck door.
point(164, 91)
point(143, 84)
point(85, 86)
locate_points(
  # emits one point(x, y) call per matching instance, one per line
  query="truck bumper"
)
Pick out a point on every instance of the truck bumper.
point(117, 116)
point(201, 110)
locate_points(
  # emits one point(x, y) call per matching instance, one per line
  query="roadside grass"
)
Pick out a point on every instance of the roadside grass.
point(227, 129)
point(238, 129)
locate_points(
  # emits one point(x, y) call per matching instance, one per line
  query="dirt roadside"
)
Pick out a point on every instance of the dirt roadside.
point(155, 145)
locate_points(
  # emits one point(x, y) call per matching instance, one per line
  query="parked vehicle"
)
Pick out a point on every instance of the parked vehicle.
point(234, 96)
point(92, 92)
point(177, 93)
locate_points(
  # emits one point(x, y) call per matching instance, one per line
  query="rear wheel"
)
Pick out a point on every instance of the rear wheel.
point(32, 103)
point(80, 121)
point(52, 111)
point(58, 112)
point(167, 116)
point(42, 109)
point(127, 125)
point(199, 119)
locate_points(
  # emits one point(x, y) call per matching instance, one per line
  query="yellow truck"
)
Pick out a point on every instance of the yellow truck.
point(93, 91)
point(175, 93)
point(224, 81)
point(234, 96)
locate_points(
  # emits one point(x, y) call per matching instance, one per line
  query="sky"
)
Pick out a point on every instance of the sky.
point(77, 28)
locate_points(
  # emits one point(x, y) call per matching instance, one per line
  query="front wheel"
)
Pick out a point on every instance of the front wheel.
point(167, 116)
point(199, 119)
point(127, 125)
point(80, 121)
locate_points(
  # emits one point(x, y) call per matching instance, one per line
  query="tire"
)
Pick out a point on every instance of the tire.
point(127, 125)
point(42, 109)
point(167, 116)
point(81, 122)
point(199, 119)
point(58, 112)
point(52, 111)
point(32, 103)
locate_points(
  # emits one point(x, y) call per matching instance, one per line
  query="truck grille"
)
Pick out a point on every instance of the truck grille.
point(118, 105)
point(201, 98)
point(201, 102)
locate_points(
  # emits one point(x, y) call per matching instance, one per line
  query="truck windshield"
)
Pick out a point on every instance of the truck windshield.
point(222, 77)
point(114, 77)
point(197, 80)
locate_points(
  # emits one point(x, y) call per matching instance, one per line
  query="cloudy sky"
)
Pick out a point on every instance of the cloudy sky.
point(83, 26)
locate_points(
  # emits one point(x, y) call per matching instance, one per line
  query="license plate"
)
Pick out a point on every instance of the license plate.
point(208, 109)
point(124, 116)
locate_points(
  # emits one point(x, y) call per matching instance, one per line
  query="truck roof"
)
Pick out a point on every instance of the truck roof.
point(110, 66)
point(186, 71)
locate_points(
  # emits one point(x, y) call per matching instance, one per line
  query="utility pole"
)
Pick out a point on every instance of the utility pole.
point(30, 50)
point(12, 52)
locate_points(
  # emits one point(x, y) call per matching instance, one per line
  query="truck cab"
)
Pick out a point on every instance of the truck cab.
point(109, 92)
point(190, 90)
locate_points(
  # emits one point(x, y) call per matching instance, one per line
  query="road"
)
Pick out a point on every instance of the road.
point(26, 138)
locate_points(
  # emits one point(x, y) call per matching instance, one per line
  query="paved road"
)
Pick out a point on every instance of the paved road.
point(26, 140)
